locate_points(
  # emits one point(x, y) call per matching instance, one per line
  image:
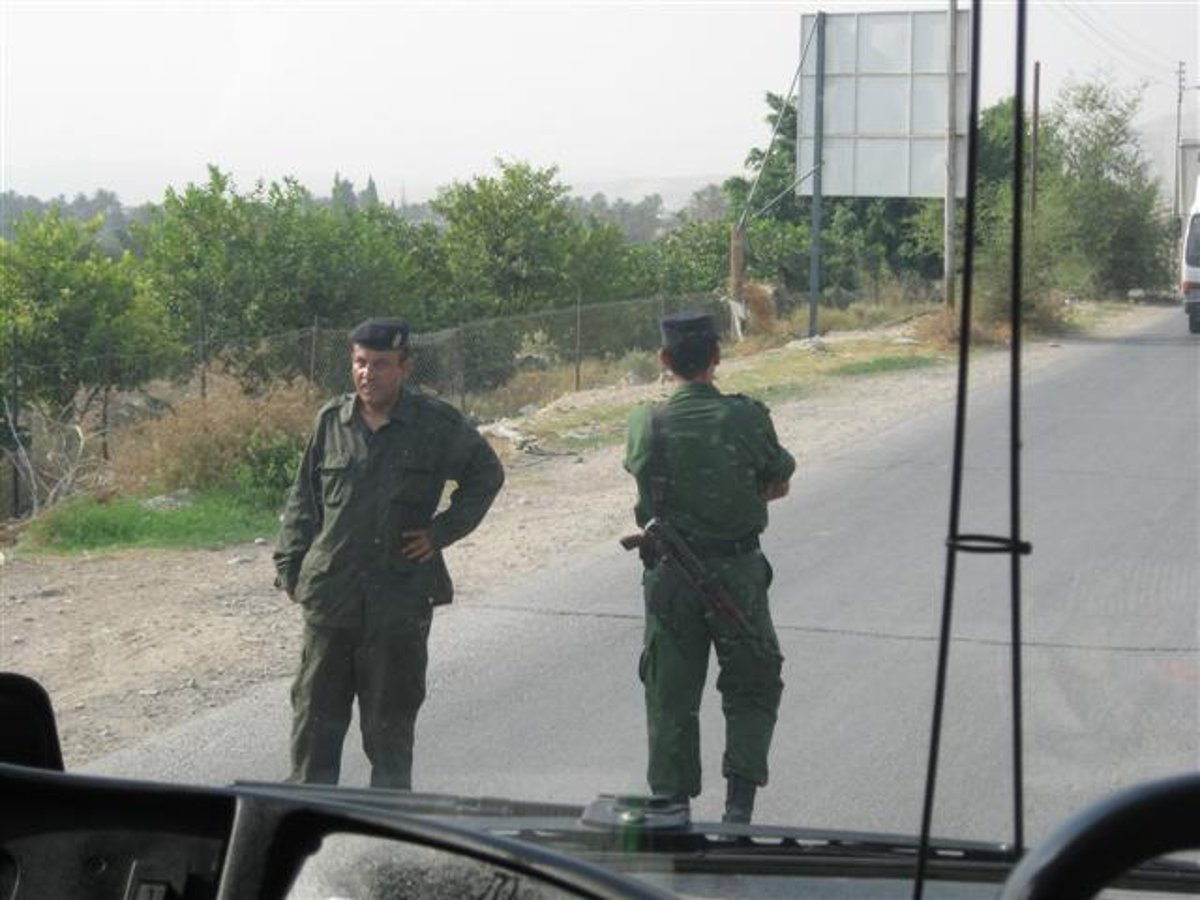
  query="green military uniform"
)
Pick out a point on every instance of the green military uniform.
point(721, 451)
point(367, 609)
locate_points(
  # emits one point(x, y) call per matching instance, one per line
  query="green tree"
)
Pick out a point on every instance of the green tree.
point(79, 322)
point(342, 195)
point(778, 252)
point(596, 263)
point(1097, 228)
point(196, 256)
point(369, 198)
point(1102, 176)
point(693, 259)
point(507, 238)
point(639, 222)
point(233, 267)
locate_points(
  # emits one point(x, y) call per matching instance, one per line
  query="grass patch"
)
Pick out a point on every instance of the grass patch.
point(774, 375)
point(883, 364)
point(85, 524)
point(859, 316)
point(787, 374)
point(582, 428)
point(1084, 316)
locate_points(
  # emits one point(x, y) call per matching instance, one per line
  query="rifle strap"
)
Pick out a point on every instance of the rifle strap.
point(660, 478)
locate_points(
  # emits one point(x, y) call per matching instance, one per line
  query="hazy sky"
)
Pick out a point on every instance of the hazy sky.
point(133, 97)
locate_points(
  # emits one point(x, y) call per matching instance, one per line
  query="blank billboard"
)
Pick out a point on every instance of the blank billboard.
point(886, 86)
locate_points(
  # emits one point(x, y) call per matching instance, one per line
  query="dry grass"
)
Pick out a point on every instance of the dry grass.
point(539, 386)
point(202, 440)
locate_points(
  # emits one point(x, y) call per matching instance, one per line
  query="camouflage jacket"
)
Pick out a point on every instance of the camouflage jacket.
point(721, 453)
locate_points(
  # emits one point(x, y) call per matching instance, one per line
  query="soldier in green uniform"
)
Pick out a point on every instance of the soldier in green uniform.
point(360, 549)
point(717, 464)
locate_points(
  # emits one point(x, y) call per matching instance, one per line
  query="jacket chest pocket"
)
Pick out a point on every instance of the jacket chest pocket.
point(337, 478)
point(416, 489)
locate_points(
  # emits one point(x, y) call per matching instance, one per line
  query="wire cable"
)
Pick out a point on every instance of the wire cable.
point(774, 133)
point(791, 187)
point(1130, 54)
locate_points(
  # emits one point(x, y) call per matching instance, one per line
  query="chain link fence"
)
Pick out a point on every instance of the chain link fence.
point(471, 359)
point(488, 368)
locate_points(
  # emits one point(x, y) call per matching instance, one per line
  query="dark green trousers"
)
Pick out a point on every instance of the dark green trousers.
point(385, 669)
point(680, 633)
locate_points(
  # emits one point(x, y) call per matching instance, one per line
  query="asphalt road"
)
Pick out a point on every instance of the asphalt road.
point(533, 693)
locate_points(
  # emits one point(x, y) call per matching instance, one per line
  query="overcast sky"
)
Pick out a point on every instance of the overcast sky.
point(133, 97)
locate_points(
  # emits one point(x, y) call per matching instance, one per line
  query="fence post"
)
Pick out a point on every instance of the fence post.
point(312, 352)
point(460, 366)
point(204, 348)
point(578, 337)
point(13, 414)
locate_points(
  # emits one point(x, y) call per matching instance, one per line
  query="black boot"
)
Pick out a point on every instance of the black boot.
point(739, 800)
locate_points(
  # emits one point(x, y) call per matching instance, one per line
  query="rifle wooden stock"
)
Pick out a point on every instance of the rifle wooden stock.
point(632, 541)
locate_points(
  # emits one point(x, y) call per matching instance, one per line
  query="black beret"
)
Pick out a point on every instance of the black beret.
point(689, 325)
point(381, 334)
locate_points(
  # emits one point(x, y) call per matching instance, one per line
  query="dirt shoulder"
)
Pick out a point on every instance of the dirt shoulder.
point(133, 642)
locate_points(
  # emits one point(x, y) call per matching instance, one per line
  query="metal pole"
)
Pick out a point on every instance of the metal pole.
point(948, 229)
point(814, 238)
point(737, 265)
point(312, 352)
point(1176, 206)
point(1018, 740)
point(578, 338)
point(204, 346)
point(12, 423)
point(1033, 138)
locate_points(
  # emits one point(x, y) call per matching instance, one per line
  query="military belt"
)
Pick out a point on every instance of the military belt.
point(723, 548)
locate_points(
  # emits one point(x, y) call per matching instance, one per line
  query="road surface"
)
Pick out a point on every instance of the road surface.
point(533, 692)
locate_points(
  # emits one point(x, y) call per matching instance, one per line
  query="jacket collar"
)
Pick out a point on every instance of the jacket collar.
point(405, 410)
point(696, 388)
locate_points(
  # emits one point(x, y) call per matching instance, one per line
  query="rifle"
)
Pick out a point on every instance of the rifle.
point(659, 539)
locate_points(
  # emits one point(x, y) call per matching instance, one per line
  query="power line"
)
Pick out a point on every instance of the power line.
point(1138, 51)
point(1123, 46)
point(1124, 43)
point(778, 121)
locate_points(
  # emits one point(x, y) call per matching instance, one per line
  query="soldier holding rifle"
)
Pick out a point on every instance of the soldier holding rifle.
point(706, 465)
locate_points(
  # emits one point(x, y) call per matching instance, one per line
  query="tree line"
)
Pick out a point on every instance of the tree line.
point(94, 297)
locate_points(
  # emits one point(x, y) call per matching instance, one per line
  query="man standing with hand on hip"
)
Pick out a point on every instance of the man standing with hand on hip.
point(360, 549)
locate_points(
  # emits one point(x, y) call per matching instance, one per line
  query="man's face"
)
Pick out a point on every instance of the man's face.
point(378, 375)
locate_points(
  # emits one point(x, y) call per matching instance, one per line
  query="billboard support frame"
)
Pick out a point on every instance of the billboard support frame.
point(814, 233)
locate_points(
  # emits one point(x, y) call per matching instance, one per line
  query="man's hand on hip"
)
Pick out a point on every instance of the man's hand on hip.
point(417, 545)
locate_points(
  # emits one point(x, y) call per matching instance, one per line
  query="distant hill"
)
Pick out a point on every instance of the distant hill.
point(675, 190)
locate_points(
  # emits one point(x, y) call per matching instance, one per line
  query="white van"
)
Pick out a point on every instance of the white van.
point(1189, 264)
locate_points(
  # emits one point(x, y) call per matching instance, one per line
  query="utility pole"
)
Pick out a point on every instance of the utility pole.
point(737, 273)
point(1176, 206)
point(948, 229)
point(1033, 139)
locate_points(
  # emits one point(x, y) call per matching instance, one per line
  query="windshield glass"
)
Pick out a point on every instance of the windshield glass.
point(332, 339)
